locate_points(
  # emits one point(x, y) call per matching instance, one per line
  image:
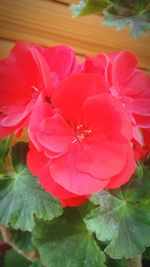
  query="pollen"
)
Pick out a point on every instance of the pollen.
point(88, 131)
point(81, 137)
point(81, 133)
point(80, 126)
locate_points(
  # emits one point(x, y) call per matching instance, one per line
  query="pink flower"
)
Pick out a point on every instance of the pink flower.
point(83, 140)
point(127, 83)
point(28, 70)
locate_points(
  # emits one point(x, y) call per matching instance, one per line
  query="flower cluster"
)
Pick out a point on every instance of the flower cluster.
point(86, 122)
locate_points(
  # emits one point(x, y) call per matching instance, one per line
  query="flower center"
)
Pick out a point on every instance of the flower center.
point(81, 133)
point(114, 91)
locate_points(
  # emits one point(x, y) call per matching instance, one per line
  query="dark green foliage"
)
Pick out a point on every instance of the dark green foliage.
point(21, 196)
point(4, 148)
point(122, 218)
point(66, 242)
point(14, 259)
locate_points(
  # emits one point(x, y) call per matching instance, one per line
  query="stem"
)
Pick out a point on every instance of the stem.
point(135, 262)
point(7, 238)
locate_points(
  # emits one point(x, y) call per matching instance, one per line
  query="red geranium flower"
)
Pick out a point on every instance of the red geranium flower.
point(28, 70)
point(85, 138)
point(129, 84)
point(23, 75)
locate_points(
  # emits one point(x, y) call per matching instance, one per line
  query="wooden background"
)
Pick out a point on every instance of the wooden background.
point(48, 22)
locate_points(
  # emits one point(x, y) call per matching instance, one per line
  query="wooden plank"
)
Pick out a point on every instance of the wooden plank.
point(50, 23)
point(5, 46)
point(68, 2)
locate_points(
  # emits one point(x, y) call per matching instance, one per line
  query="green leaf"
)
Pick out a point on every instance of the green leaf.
point(146, 254)
point(21, 197)
point(14, 259)
point(137, 190)
point(117, 263)
point(4, 148)
point(65, 242)
point(22, 240)
point(1, 258)
point(118, 13)
point(86, 7)
point(18, 156)
point(134, 13)
point(36, 264)
point(124, 225)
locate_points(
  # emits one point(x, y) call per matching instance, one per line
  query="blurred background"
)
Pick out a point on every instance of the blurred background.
point(48, 23)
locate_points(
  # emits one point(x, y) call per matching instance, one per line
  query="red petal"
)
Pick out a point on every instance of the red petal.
point(125, 175)
point(140, 152)
point(15, 118)
point(65, 173)
point(96, 65)
point(73, 202)
point(136, 85)
point(4, 131)
point(104, 114)
point(141, 107)
point(137, 135)
point(101, 158)
point(123, 67)
point(23, 71)
point(146, 135)
point(55, 134)
point(103, 153)
point(142, 121)
point(36, 160)
point(25, 67)
point(61, 60)
point(72, 92)
point(40, 111)
point(40, 167)
point(34, 66)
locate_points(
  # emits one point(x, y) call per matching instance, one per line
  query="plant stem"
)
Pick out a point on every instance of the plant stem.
point(135, 262)
point(7, 238)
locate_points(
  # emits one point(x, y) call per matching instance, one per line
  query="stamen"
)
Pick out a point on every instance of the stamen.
point(34, 88)
point(75, 140)
point(88, 131)
point(81, 133)
point(81, 136)
point(79, 126)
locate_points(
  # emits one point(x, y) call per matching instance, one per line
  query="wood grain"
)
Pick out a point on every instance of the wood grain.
point(5, 46)
point(49, 23)
point(68, 2)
